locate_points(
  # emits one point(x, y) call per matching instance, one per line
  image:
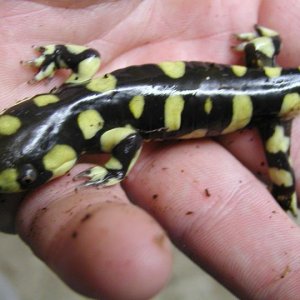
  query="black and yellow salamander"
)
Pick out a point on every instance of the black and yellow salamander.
point(42, 138)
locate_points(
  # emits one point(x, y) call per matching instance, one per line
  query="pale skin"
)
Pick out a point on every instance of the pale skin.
point(209, 203)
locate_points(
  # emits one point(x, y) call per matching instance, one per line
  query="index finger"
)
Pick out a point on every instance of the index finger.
point(221, 216)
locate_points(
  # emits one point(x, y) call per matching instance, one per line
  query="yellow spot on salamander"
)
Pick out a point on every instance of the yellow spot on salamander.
point(59, 160)
point(241, 113)
point(103, 84)
point(8, 181)
point(246, 36)
point(208, 105)
point(198, 133)
point(173, 108)
point(173, 69)
point(136, 106)
point(293, 206)
point(86, 70)
point(90, 122)
point(281, 177)
point(267, 31)
point(272, 72)
point(239, 71)
point(114, 164)
point(113, 137)
point(264, 45)
point(278, 141)
point(134, 159)
point(43, 100)
point(97, 173)
point(290, 105)
point(46, 73)
point(9, 124)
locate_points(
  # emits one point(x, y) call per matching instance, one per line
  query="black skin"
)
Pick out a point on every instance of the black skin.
point(105, 231)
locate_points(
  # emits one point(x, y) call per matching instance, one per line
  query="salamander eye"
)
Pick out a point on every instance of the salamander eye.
point(27, 175)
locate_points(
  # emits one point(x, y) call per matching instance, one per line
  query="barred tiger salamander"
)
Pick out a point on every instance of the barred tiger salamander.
point(42, 138)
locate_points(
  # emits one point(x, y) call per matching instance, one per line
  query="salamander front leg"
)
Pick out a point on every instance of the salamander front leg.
point(124, 144)
point(83, 62)
point(277, 142)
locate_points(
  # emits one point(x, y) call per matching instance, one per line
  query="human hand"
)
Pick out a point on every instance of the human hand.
point(219, 214)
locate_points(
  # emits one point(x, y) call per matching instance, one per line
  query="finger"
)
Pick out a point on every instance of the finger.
point(247, 147)
point(218, 213)
point(96, 241)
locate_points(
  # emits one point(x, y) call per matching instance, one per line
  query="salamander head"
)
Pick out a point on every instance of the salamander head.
point(29, 153)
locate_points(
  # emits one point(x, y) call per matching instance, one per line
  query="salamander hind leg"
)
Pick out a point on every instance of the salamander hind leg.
point(277, 141)
point(83, 62)
point(124, 145)
point(260, 47)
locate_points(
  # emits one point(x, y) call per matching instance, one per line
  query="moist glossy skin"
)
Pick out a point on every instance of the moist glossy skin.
point(42, 138)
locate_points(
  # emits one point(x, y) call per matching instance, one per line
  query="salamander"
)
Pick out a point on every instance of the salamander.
point(43, 137)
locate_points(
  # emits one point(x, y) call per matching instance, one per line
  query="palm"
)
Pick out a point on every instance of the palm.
point(134, 32)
